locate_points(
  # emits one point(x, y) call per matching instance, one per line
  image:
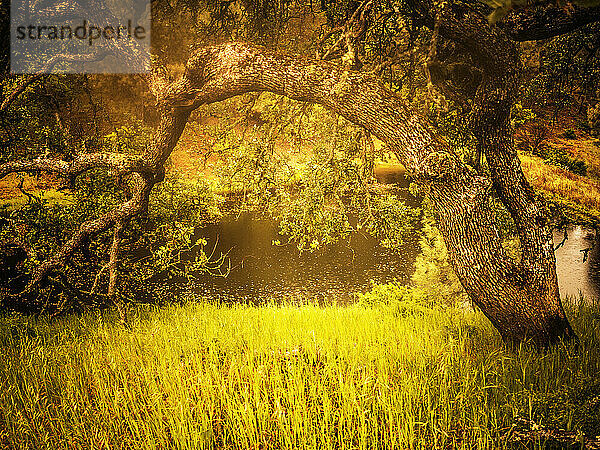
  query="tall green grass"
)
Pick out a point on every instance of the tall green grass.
point(206, 376)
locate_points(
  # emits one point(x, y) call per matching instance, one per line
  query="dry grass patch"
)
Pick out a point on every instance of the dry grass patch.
point(561, 183)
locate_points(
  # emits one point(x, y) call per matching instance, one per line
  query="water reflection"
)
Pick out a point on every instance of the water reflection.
point(391, 174)
point(261, 271)
point(574, 274)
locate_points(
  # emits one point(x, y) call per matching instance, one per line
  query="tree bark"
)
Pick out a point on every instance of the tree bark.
point(498, 59)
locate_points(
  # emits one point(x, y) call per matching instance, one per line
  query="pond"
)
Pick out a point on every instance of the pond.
point(263, 272)
point(578, 272)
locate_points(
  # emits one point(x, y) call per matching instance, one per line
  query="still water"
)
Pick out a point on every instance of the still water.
point(262, 272)
point(576, 271)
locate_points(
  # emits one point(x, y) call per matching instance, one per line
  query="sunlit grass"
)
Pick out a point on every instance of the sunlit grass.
point(561, 183)
point(12, 198)
point(206, 376)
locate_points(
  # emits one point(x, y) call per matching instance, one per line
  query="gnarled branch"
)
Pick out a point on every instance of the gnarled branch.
point(116, 162)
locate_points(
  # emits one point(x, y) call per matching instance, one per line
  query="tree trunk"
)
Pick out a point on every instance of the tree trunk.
point(538, 308)
point(520, 298)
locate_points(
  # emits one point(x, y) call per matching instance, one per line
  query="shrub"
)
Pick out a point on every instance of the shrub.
point(400, 300)
point(434, 278)
point(561, 159)
point(520, 115)
point(161, 245)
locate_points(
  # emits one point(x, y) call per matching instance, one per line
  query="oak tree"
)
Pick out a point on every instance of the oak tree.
point(469, 57)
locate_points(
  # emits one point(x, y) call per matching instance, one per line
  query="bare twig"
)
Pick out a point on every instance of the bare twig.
point(30, 197)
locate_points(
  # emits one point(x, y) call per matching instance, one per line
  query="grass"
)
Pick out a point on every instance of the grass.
point(360, 377)
point(584, 149)
point(12, 198)
point(562, 184)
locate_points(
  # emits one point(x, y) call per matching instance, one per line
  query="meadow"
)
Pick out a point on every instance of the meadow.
point(375, 374)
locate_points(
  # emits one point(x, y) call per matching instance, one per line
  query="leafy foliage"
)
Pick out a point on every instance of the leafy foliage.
point(165, 245)
point(161, 245)
point(399, 300)
point(434, 279)
point(567, 71)
point(320, 189)
point(36, 124)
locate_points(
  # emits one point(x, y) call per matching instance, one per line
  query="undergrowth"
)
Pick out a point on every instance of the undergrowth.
point(391, 371)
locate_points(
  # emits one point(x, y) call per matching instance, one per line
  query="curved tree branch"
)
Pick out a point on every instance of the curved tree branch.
point(146, 171)
point(460, 197)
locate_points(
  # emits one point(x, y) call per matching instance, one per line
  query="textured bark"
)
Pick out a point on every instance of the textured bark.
point(142, 185)
point(115, 162)
point(113, 257)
